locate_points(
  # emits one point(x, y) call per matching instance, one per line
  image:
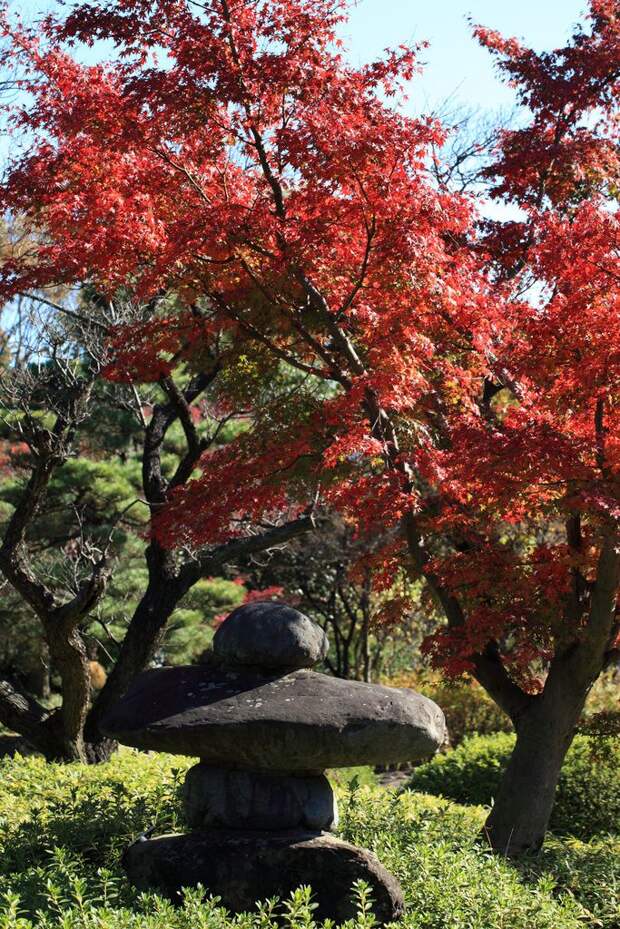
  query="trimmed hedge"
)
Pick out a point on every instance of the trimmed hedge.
point(62, 830)
point(588, 797)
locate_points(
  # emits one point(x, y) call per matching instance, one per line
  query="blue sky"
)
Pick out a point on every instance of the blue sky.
point(457, 67)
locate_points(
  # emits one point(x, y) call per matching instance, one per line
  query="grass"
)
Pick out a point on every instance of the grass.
point(63, 829)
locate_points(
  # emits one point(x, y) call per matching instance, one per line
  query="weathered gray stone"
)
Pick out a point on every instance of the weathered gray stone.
point(257, 800)
point(244, 868)
point(301, 721)
point(270, 635)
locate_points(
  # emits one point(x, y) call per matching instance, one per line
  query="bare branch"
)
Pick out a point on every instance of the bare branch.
point(210, 561)
point(67, 312)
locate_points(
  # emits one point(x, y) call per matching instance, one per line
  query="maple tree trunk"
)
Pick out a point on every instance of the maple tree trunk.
point(520, 816)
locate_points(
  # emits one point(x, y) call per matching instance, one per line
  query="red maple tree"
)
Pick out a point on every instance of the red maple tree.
point(453, 379)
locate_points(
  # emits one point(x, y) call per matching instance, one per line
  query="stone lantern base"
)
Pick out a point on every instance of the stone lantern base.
point(242, 867)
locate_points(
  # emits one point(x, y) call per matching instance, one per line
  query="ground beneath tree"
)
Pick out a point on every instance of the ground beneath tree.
point(394, 776)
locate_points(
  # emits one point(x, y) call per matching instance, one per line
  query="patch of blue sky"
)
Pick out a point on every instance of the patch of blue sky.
point(456, 67)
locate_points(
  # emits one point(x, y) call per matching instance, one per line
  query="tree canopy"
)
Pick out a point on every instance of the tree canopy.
point(445, 382)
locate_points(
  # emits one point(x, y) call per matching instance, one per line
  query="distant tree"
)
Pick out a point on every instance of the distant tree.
point(85, 600)
point(332, 576)
point(451, 389)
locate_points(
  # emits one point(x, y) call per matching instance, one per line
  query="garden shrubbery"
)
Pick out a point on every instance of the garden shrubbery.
point(62, 830)
point(466, 706)
point(588, 797)
point(469, 709)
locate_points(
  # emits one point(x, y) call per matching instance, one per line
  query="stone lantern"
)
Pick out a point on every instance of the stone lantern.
point(266, 728)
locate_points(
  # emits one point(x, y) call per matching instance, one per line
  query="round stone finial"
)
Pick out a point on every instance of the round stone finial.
point(270, 635)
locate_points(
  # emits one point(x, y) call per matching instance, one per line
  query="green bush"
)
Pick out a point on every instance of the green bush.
point(588, 797)
point(469, 710)
point(62, 830)
point(466, 706)
point(351, 778)
point(453, 881)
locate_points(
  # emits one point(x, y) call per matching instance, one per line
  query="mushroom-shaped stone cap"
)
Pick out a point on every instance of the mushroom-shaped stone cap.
point(270, 635)
point(302, 721)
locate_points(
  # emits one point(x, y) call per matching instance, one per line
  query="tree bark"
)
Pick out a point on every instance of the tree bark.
point(40, 680)
point(520, 815)
point(21, 713)
point(165, 588)
point(68, 652)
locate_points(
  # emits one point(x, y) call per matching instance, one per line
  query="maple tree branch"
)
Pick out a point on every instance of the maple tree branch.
point(573, 670)
point(578, 597)
point(270, 177)
point(292, 318)
point(451, 607)
point(320, 304)
point(608, 271)
point(185, 172)
point(491, 674)
point(259, 145)
point(259, 249)
point(279, 352)
point(489, 670)
point(596, 640)
point(348, 302)
point(599, 431)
